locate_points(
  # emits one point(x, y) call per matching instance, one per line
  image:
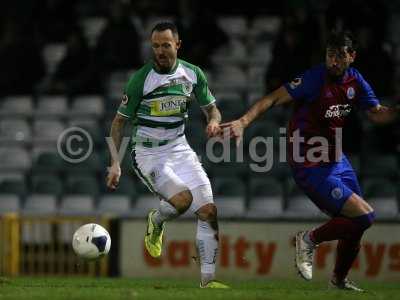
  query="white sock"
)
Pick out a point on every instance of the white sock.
point(207, 247)
point(165, 212)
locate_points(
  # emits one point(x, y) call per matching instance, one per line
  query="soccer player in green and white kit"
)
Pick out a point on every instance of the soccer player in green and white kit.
point(156, 99)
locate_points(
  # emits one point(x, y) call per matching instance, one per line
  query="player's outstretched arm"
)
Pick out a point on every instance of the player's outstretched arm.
point(114, 171)
point(213, 116)
point(278, 97)
point(382, 114)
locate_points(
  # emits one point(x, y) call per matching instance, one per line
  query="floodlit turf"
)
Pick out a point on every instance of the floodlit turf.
point(163, 289)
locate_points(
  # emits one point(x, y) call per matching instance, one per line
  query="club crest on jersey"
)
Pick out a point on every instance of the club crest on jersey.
point(125, 99)
point(187, 88)
point(350, 93)
point(295, 83)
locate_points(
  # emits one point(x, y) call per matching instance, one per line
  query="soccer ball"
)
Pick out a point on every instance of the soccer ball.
point(91, 241)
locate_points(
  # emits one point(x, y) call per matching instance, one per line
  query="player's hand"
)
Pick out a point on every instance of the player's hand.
point(234, 130)
point(114, 173)
point(213, 129)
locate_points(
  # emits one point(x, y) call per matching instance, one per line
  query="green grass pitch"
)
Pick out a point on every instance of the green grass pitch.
point(156, 289)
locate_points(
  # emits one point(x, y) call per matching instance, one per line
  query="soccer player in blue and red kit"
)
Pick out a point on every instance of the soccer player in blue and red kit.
point(323, 97)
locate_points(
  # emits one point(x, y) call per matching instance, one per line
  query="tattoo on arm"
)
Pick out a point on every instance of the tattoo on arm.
point(212, 113)
point(117, 128)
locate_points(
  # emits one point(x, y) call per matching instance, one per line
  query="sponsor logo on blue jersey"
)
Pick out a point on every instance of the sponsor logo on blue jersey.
point(337, 111)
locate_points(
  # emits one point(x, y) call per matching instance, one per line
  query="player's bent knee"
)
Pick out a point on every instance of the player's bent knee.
point(355, 206)
point(365, 221)
point(207, 212)
point(202, 197)
point(181, 201)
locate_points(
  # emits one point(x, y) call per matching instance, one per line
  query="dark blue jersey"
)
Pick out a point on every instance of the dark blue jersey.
point(321, 107)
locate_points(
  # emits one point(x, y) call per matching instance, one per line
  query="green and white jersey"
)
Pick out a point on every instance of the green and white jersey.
point(158, 103)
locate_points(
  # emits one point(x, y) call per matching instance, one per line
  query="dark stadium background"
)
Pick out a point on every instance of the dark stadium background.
point(64, 63)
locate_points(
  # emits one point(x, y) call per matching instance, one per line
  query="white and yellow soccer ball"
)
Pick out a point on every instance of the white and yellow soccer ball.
point(91, 241)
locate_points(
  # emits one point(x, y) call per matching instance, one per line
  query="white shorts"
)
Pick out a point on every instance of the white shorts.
point(170, 169)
